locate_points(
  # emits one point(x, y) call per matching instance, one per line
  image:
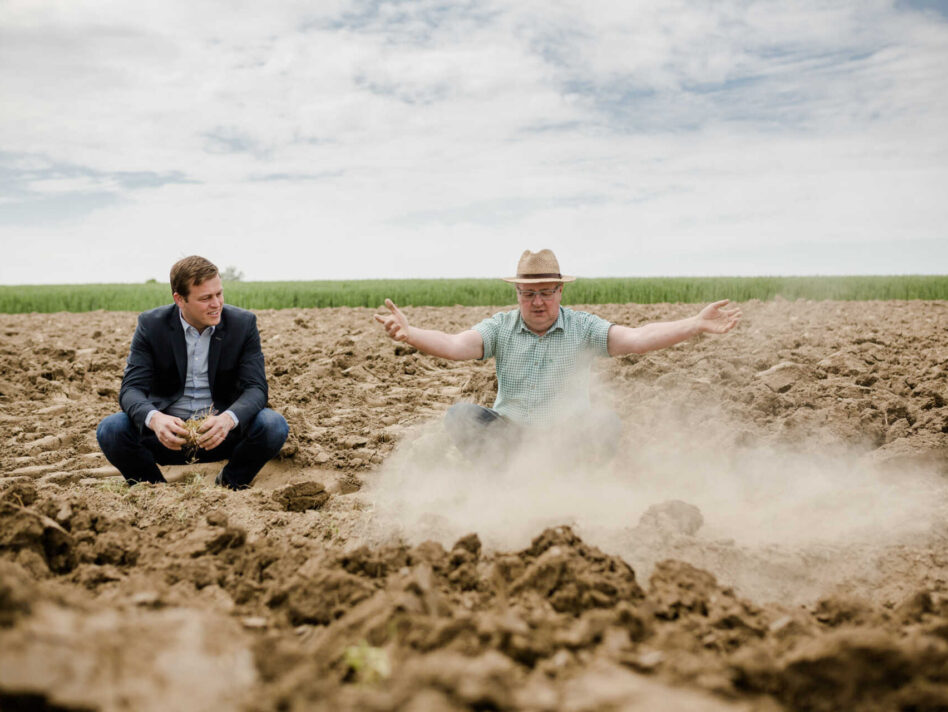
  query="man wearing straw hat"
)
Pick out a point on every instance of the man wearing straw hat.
point(543, 353)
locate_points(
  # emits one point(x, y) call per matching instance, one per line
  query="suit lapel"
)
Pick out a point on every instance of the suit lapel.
point(214, 350)
point(178, 346)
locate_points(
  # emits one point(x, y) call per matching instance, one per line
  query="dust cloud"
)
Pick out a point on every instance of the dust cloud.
point(776, 521)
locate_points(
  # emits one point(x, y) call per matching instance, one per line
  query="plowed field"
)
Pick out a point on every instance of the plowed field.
point(772, 535)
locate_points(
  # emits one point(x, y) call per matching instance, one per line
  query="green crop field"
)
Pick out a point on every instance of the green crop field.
point(19, 299)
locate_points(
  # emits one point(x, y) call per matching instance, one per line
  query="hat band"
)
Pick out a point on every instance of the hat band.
point(551, 275)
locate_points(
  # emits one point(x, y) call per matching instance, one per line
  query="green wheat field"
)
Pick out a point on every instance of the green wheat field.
point(19, 299)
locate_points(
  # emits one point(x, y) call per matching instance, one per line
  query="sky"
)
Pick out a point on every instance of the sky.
point(440, 138)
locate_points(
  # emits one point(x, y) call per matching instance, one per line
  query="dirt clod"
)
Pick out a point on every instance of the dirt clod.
point(300, 496)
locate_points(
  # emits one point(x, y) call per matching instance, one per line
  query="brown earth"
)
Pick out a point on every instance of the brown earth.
point(772, 535)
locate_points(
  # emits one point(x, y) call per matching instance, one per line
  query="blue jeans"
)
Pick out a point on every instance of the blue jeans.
point(138, 454)
point(483, 434)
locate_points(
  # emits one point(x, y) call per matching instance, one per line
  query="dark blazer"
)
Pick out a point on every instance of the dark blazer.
point(157, 365)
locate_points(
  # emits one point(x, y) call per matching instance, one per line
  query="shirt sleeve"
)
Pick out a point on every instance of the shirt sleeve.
point(489, 329)
point(597, 334)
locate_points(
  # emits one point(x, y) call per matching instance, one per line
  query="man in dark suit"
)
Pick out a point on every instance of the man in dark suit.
point(192, 358)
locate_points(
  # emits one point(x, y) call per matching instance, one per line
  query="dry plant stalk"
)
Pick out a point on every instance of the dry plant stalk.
point(193, 425)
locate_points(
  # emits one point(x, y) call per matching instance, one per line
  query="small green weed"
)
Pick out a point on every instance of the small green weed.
point(369, 665)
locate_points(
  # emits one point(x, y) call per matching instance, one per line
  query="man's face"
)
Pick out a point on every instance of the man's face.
point(202, 308)
point(539, 304)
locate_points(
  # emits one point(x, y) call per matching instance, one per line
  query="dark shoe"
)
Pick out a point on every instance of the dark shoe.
point(219, 480)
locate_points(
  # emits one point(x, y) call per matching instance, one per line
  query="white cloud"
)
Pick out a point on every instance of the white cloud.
point(383, 139)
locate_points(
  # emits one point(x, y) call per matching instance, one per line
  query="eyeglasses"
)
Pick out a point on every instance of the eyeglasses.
point(531, 293)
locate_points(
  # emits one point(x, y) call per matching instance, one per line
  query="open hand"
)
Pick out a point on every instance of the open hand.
point(214, 431)
point(715, 319)
point(169, 430)
point(395, 324)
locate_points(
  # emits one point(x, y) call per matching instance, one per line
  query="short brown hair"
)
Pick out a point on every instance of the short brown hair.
point(190, 272)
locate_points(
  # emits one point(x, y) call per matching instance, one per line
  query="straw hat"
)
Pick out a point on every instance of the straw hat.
point(537, 267)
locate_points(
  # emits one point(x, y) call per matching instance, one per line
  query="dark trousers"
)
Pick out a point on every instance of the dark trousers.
point(482, 434)
point(137, 455)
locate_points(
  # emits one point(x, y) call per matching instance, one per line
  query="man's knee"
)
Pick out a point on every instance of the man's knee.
point(113, 430)
point(270, 429)
point(456, 416)
point(465, 415)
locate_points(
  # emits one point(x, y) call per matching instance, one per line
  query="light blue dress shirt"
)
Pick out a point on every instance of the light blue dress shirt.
point(196, 399)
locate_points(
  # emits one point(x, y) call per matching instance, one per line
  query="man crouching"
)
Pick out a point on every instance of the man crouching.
point(196, 357)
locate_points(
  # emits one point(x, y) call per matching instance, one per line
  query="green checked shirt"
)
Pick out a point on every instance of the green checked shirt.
point(541, 379)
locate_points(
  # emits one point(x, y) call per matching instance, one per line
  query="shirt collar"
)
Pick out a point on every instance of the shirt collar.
point(185, 325)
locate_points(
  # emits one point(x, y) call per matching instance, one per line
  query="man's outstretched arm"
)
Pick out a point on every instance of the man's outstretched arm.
point(456, 347)
point(713, 319)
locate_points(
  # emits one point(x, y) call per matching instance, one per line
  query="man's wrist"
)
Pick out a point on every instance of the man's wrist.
point(148, 418)
point(232, 417)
